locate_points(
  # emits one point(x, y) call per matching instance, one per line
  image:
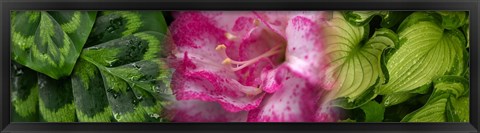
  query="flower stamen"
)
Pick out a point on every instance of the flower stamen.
point(230, 36)
point(242, 64)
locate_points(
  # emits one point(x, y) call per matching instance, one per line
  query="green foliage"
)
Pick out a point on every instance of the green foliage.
point(118, 74)
point(423, 77)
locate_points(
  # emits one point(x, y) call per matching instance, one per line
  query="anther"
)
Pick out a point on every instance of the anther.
point(230, 36)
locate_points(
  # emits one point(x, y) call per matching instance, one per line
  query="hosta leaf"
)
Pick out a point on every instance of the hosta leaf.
point(373, 111)
point(389, 18)
point(458, 109)
point(50, 42)
point(453, 19)
point(115, 24)
point(435, 110)
point(56, 99)
point(355, 59)
point(24, 93)
point(397, 98)
point(394, 99)
point(428, 51)
point(466, 31)
point(133, 74)
point(364, 98)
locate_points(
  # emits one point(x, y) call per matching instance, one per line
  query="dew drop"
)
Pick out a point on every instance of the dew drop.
point(117, 116)
point(156, 116)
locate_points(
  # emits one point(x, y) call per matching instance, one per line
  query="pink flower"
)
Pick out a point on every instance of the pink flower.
point(249, 66)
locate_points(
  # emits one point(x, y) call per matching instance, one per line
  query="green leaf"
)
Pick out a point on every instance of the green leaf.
point(364, 98)
point(116, 24)
point(122, 74)
point(466, 31)
point(355, 58)
point(133, 73)
point(361, 18)
point(373, 111)
point(56, 99)
point(453, 19)
point(397, 98)
point(435, 110)
point(347, 120)
point(458, 109)
point(89, 93)
point(50, 42)
point(24, 93)
point(394, 99)
point(429, 51)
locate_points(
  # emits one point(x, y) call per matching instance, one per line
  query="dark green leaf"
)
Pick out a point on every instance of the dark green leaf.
point(24, 93)
point(453, 19)
point(125, 61)
point(50, 42)
point(389, 18)
point(56, 99)
point(89, 93)
point(373, 111)
point(116, 24)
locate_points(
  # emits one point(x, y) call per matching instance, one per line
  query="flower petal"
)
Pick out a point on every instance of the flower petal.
point(305, 54)
point(200, 74)
point(278, 20)
point(295, 101)
point(199, 111)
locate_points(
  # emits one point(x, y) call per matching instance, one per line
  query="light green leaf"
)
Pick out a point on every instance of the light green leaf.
point(373, 111)
point(435, 110)
point(428, 51)
point(355, 58)
point(361, 18)
point(24, 93)
point(394, 99)
point(50, 42)
point(458, 109)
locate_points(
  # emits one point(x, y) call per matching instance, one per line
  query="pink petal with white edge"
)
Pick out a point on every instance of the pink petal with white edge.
point(305, 54)
point(295, 101)
point(199, 111)
point(200, 74)
point(278, 20)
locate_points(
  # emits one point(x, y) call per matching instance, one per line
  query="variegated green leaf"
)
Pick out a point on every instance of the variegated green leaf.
point(435, 110)
point(361, 18)
point(427, 51)
point(458, 109)
point(135, 77)
point(116, 24)
point(24, 93)
point(453, 19)
point(50, 42)
point(355, 58)
point(89, 93)
point(56, 99)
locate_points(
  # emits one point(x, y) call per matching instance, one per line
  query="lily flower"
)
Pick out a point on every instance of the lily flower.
point(249, 66)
